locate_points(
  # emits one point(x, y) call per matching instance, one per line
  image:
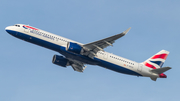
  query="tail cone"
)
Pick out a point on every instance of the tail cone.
point(162, 75)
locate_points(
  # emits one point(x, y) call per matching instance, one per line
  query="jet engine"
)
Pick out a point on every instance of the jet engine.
point(60, 61)
point(74, 48)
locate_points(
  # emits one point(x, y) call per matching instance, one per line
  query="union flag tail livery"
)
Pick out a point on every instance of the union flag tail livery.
point(77, 55)
point(157, 60)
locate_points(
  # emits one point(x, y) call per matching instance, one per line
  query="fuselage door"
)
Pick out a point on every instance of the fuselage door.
point(105, 55)
point(26, 30)
point(140, 67)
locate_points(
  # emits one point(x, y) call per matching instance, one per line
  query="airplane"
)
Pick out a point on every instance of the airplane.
point(77, 55)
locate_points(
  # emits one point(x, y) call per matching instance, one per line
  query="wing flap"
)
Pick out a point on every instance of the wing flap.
point(76, 65)
point(78, 68)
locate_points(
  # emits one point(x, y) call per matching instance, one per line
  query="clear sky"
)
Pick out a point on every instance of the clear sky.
point(26, 70)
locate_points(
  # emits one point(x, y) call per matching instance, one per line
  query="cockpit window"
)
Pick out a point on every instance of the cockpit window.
point(17, 25)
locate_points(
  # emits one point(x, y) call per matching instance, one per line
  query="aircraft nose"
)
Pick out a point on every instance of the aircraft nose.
point(7, 29)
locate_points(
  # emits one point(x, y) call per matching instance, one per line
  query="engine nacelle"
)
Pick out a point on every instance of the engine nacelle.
point(60, 60)
point(74, 48)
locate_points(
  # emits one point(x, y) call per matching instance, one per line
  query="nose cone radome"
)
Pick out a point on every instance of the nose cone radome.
point(162, 75)
point(8, 29)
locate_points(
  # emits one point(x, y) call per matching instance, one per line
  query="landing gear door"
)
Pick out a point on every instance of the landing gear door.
point(140, 67)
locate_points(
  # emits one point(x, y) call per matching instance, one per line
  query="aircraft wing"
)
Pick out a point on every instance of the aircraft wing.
point(76, 65)
point(99, 45)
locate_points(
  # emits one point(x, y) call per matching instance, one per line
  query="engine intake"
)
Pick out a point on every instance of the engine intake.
point(74, 48)
point(60, 61)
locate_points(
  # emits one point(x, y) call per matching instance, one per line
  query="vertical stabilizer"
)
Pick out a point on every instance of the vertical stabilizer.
point(157, 60)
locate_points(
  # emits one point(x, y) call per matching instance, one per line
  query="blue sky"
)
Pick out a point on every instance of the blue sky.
point(26, 70)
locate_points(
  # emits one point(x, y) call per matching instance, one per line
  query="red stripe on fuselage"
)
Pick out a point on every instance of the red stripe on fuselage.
point(162, 56)
point(30, 27)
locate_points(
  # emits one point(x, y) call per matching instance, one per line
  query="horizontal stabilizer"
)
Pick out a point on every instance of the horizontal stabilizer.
point(160, 70)
point(153, 78)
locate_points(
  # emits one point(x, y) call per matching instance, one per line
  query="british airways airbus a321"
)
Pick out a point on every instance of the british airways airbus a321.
point(76, 54)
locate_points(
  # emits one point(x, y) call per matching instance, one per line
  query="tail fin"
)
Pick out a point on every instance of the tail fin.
point(157, 60)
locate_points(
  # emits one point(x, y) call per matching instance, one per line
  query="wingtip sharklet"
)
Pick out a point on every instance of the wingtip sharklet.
point(126, 31)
